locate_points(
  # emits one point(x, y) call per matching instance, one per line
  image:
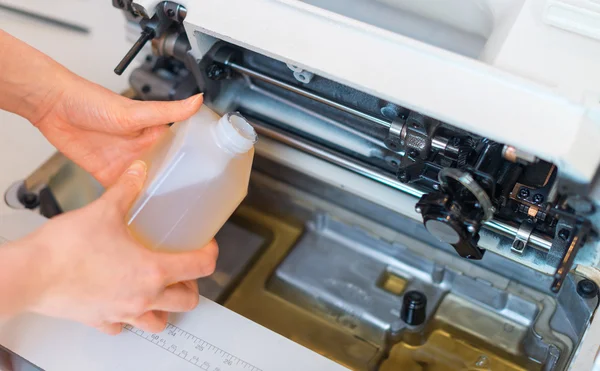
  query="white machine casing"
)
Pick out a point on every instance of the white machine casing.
point(523, 73)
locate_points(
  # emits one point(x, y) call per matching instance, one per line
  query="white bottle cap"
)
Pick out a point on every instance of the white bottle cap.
point(235, 133)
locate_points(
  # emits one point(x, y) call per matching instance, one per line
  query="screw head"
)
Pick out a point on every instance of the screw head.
point(436, 186)
point(518, 245)
point(524, 192)
point(564, 234)
point(403, 176)
point(418, 209)
point(587, 288)
point(30, 200)
point(413, 153)
point(170, 13)
point(538, 198)
point(471, 229)
point(215, 72)
point(121, 3)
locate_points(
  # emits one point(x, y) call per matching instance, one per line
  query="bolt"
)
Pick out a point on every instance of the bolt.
point(564, 234)
point(471, 229)
point(414, 305)
point(170, 13)
point(148, 58)
point(436, 186)
point(538, 198)
point(524, 192)
point(518, 245)
point(403, 176)
point(215, 72)
point(121, 3)
point(418, 209)
point(413, 153)
point(587, 288)
point(394, 163)
point(30, 200)
point(483, 361)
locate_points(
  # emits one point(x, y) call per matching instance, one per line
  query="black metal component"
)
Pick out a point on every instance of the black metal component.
point(167, 13)
point(49, 206)
point(147, 35)
point(443, 217)
point(217, 72)
point(587, 288)
point(579, 230)
point(524, 192)
point(162, 79)
point(414, 308)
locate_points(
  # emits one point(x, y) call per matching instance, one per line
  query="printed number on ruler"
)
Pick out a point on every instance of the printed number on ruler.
point(194, 350)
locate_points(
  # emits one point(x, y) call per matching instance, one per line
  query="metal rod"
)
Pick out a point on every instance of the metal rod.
point(305, 93)
point(536, 240)
point(146, 36)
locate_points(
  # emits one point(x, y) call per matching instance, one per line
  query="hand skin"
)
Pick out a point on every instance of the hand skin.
point(99, 130)
point(84, 265)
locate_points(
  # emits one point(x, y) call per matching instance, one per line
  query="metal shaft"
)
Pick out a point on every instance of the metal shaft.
point(536, 240)
point(305, 93)
point(147, 35)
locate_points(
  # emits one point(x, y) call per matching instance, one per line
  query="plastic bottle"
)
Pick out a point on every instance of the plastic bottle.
point(198, 175)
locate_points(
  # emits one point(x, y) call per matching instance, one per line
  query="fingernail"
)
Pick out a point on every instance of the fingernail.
point(138, 168)
point(192, 101)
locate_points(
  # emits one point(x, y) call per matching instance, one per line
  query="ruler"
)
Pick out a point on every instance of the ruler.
point(198, 352)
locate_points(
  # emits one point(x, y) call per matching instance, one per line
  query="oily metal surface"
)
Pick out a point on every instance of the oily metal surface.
point(453, 342)
point(252, 300)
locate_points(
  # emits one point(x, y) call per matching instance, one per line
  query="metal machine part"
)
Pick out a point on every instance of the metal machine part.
point(465, 182)
point(472, 193)
point(338, 289)
point(329, 270)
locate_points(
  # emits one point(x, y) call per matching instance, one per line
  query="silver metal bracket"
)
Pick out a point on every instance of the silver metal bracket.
point(395, 138)
point(522, 238)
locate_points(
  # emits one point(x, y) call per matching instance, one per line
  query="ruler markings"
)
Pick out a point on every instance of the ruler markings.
point(189, 350)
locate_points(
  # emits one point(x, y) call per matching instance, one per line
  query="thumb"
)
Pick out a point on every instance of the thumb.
point(140, 115)
point(127, 187)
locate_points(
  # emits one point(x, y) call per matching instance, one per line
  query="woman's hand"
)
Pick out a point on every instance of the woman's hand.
point(85, 266)
point(104, 132)
point(96, 128)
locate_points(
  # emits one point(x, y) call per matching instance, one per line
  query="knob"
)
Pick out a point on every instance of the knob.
point(414, 306)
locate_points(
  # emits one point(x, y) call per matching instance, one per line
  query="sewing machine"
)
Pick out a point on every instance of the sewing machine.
point(426, 188)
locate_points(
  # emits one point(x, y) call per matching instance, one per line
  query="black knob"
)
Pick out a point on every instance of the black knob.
point(587, 288)
point(414, 306)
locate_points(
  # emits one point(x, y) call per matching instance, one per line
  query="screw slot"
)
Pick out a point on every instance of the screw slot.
point(564, 234)
point(587, 288)
point(524, 192)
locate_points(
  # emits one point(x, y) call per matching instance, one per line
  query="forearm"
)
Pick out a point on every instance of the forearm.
point(20, 277)
point(30, 81)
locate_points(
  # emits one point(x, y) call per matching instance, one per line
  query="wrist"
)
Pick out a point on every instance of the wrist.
point(22, 281)
point(31, 83)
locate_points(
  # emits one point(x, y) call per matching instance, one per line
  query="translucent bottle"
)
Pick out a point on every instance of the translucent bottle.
point(198, 175)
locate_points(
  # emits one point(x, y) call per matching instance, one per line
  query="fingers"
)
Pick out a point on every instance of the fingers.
point(188, 265)
point(111, 328)
point(152, 321)
point(141, 114)
point(127, 187)
point(179, 297)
